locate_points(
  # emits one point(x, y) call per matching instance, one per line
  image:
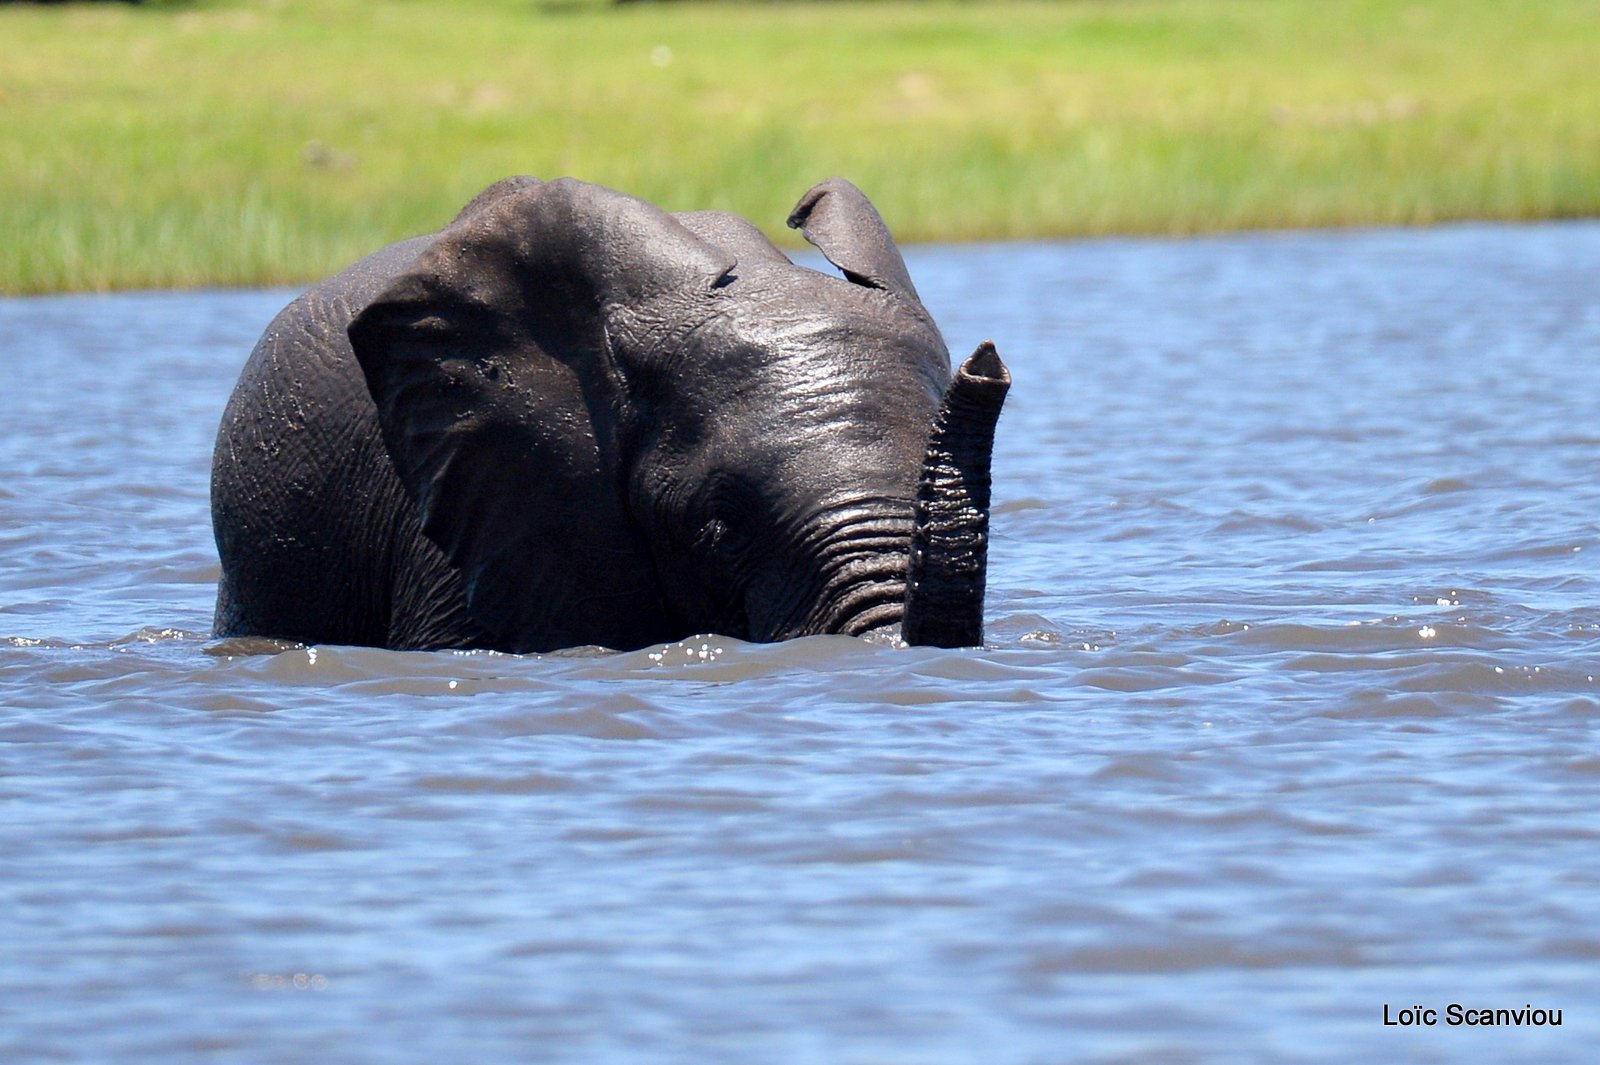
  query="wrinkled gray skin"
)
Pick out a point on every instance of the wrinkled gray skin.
point(571, 418)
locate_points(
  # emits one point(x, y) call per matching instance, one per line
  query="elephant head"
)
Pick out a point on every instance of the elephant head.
point(624, 426)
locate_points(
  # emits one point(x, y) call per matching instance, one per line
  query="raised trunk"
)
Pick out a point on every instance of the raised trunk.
point(950, 541)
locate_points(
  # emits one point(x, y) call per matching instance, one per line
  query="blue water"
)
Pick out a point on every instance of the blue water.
point(1288, 714)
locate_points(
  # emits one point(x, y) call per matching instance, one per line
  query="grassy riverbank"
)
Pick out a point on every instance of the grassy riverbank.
point(252, 143)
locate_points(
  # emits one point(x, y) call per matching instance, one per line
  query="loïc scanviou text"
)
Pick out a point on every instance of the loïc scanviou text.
point(1456, 1015)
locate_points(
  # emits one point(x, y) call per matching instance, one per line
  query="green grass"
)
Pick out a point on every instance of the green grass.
point(265, 142)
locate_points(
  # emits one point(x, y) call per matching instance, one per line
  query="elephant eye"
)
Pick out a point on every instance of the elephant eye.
point(720, 536)
point(713, 534)
point(726, 529)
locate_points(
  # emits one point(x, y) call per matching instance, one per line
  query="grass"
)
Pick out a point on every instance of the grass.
point(247, 143)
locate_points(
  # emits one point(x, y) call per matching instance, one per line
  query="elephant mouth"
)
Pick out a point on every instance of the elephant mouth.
point(860, 586)
point(864, 607)
point(870, 608)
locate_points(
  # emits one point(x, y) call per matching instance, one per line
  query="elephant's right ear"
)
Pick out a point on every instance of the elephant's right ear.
point(838, 218)
point(493, 373)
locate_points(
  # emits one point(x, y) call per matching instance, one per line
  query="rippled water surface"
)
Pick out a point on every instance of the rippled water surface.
point(1288, 714)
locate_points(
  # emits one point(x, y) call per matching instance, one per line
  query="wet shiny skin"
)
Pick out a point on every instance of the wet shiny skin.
point(1288, 712)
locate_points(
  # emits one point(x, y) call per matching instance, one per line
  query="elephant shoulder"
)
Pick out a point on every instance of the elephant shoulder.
point(335, 302)
point(305, 346)
point(310, 518)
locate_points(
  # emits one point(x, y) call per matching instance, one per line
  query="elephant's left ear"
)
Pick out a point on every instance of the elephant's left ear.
point(839, 219)
point(495, 374)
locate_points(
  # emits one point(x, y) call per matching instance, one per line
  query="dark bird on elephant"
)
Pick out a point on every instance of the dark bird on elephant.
point(572, 418)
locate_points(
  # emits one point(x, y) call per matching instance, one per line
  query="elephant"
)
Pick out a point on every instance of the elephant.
point(572, 418)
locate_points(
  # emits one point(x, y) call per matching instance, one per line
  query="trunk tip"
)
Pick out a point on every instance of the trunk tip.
point(985, 365)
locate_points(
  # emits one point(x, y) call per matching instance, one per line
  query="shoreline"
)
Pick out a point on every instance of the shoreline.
point(185, 146)
point(295, 285)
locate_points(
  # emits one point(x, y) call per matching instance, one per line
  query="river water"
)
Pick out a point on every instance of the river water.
point(1288, 716)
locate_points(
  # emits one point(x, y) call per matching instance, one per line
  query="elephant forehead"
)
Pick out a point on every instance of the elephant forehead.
point(821, 414)
point(804, 470)
point(831, 339)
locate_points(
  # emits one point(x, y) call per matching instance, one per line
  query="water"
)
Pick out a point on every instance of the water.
point(1288, 715)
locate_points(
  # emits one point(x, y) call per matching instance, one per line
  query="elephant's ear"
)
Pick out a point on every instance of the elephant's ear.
point(839, 219)
point(498, 397)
